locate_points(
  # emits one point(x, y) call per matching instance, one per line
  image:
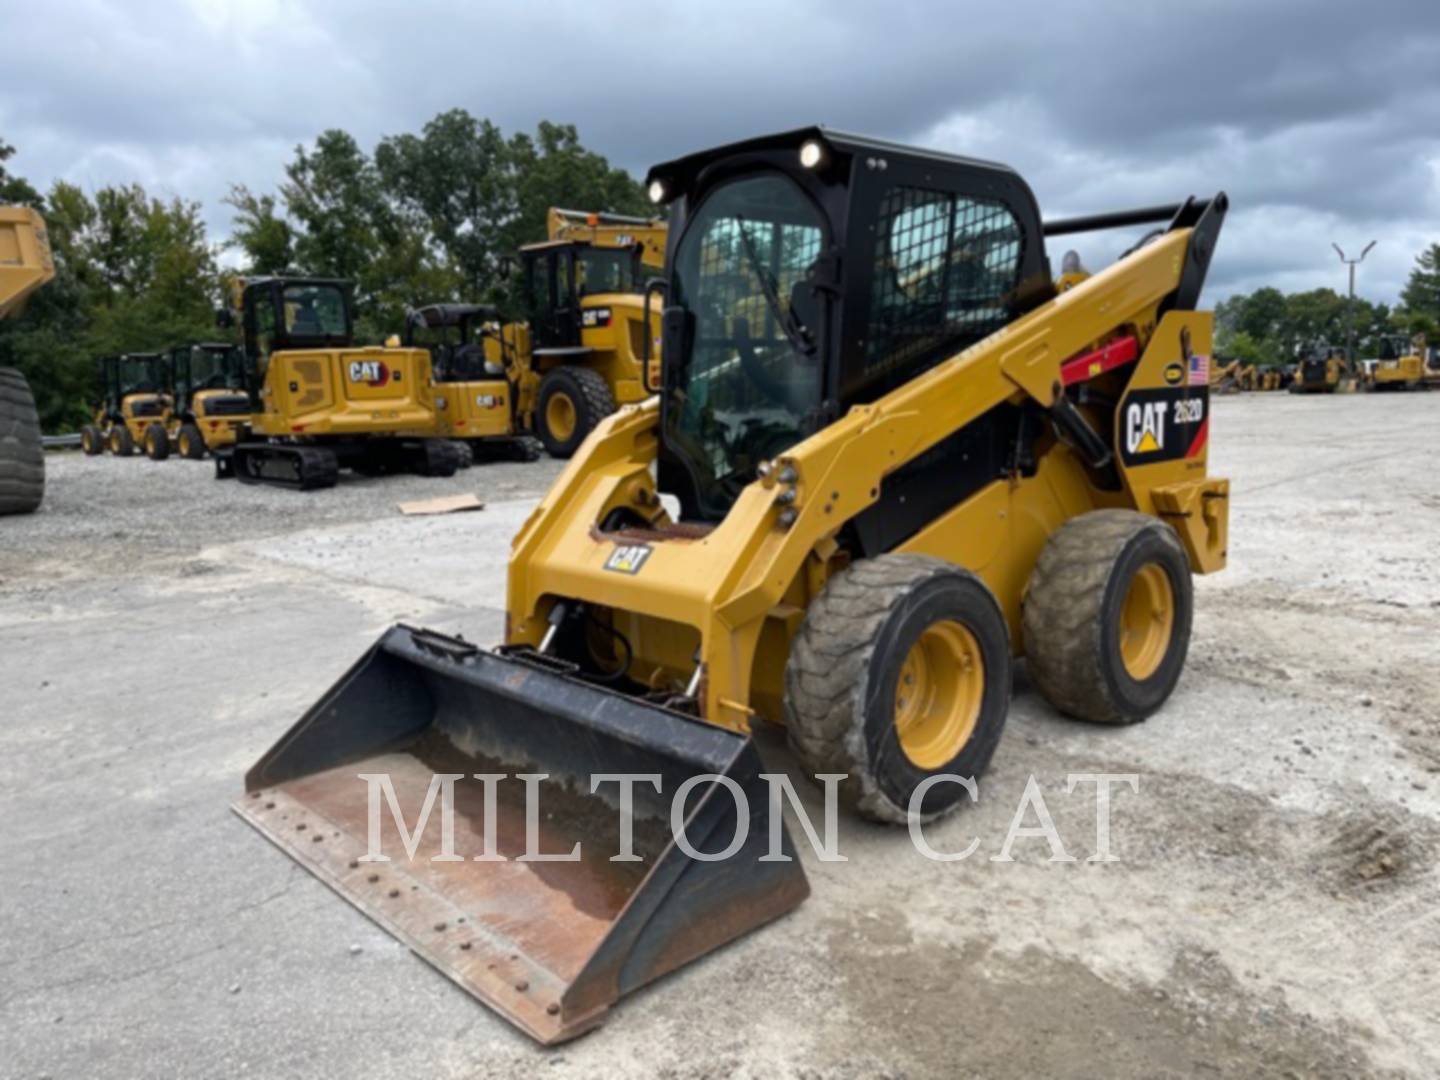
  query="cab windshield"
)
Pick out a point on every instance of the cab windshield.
point(605, 270)
point(314, 311)
point(140, 375)
point(216, 369)
point(749, 385)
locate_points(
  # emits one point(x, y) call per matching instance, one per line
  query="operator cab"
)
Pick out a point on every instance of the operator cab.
point(768, 334)
point(560, 275)
point(139, 375)
point(455, 336)
point(281, 313)
point(209, 366)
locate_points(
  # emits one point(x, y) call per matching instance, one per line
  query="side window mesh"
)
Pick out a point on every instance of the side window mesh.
point(946, 266)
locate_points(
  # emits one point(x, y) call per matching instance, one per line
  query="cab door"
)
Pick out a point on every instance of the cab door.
point(552, 297)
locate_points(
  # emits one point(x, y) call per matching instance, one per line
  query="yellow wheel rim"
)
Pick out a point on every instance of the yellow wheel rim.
point(185, 444)
point(560, 416)
point(114, 442)
point(938, 694)
point(1147, 620)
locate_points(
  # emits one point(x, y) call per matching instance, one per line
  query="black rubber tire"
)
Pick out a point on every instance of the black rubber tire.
point(22, 456)
point(190, 442)
point(157, 442)
point(588, 392)
point(122, 443)
point(92, 440)
point(1072, 613)
point(841, 677)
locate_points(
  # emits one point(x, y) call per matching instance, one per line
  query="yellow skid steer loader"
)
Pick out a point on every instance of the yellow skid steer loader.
point(901, 459)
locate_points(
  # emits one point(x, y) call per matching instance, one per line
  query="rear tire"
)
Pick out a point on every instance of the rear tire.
point(1107, 616)
point(571, 402)
point(881, 629)
point(191, 443)
point(157, 442)
point(22, 456)
point(92, 440)
point(122, 443)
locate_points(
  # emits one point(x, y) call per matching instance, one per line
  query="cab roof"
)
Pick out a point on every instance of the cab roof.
point(681, 172)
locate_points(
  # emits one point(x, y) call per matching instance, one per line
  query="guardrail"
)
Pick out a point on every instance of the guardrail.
point(61, 442)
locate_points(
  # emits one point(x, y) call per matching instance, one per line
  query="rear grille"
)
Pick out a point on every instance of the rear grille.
point(146, 408)
point(232, 405)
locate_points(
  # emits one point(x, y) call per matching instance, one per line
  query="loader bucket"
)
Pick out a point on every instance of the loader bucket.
point(549, 945)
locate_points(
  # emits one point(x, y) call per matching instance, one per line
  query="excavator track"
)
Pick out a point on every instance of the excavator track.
point(301, 468)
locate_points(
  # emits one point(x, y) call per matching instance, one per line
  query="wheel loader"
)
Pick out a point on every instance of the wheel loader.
point(25, 265)
point(318, 401)
point(134, 406)
point(896, 460)
point(576, 357)
point(611, 230)
point(210, 403)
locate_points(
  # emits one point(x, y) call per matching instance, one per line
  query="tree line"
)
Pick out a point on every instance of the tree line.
point(422, 217)
point(1267, 327)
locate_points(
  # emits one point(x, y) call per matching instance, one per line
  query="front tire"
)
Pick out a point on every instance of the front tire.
point(92, 440)
point(572, 400)
point(900, 671)
point(122, 443)
point(1107, 616)
point(157, 442)
point(191, 442)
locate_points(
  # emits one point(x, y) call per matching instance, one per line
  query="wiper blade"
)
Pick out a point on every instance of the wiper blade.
point(796, 332)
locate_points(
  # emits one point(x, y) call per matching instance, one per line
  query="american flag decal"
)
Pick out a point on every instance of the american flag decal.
point(1199, 370)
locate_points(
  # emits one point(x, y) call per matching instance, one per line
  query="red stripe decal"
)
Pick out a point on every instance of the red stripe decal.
point(1197, 444)
point(1121, 351)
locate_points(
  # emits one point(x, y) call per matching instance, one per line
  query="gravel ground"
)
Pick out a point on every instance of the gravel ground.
point(105, 512)
point(1272, 911)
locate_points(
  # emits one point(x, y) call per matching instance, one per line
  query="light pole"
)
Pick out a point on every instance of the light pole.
point(1350, 307)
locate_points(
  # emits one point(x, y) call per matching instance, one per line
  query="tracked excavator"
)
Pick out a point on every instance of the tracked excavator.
point(25, 265)
point(319, 402)
point(885, 460)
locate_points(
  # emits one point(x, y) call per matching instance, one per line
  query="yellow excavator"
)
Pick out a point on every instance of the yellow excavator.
point(318, 401)
point(1400, 365)
point(25, 265)
point(887, 459)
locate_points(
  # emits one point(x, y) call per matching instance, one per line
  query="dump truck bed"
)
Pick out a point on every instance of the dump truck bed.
point(25, 261)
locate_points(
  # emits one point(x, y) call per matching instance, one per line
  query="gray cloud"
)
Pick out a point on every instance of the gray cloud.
point(1318, 119)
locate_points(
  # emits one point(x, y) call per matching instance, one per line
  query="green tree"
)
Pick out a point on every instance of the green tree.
point(553, 169)
point(1421, 294)
point(454, 179)
point(14, 191)
point(260, 232)
point(133, 274)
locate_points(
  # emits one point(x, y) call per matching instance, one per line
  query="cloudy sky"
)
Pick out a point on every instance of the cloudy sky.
point(1321, 119)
